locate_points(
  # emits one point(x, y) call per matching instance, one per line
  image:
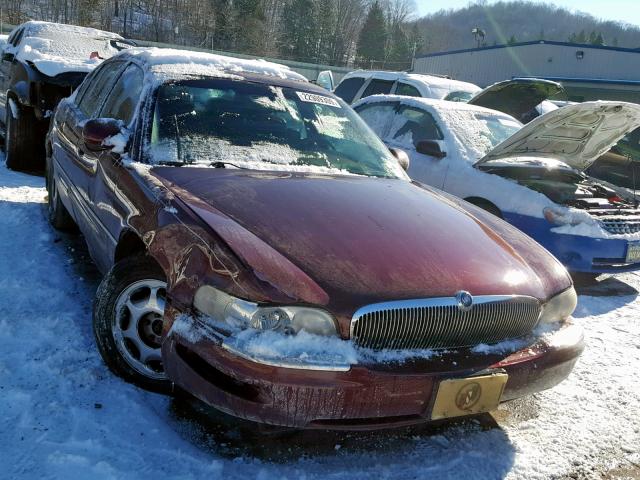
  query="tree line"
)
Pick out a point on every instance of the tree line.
point(334, 32)
point(381, 34)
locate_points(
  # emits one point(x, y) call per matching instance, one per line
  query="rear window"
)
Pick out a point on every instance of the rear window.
point(348, 88)
point(378, 87)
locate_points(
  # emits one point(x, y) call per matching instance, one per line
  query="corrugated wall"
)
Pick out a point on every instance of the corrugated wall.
point(484, 67)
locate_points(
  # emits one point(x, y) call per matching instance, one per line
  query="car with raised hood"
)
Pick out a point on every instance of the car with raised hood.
point(42, 63)
point(532, 175)
point(264, 251)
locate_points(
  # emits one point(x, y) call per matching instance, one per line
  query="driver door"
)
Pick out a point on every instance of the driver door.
point(410, 126)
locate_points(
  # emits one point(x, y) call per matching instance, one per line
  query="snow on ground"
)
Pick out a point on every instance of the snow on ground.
point(64, 415)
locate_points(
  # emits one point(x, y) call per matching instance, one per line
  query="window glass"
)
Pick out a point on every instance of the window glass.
point(99, 86)
point(378, 116)
point(459, 96)
point(348, 88)
point(407, 90)
point(378, 87)
point(121, 102)
point(414, 125)
point(263, 127)
point(17, 37)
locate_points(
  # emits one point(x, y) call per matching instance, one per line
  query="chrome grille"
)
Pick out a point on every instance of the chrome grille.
point(620, 226)
point(438, 323)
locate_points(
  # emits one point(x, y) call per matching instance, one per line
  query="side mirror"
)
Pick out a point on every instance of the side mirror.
point(97, 130)
point(431, 148)
point(325, 80)
point(7, 57)
point(402, 157)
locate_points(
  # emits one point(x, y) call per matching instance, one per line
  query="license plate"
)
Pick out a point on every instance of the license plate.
point(633, 252)
point(467, 396)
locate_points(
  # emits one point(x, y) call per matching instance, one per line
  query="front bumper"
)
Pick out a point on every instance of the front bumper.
point(576, 252)
point(362, 398)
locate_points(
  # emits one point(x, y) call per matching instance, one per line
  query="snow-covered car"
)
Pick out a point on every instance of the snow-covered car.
point(264, 250)
point(531, 176)
point(41, 64)
point(364, 83)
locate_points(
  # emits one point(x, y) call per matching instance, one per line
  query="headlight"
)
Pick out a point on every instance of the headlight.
point(560, 307)
point(559, 216)
point(242, 314)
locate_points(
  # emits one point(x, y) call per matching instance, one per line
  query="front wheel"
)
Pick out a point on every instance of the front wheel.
point(127, 322)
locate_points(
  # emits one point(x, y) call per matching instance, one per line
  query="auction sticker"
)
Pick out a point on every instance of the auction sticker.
point(321, 99)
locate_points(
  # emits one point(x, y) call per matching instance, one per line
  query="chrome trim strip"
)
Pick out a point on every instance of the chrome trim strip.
point(344, 367)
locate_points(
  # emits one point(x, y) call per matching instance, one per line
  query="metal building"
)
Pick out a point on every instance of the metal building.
point(588, 72)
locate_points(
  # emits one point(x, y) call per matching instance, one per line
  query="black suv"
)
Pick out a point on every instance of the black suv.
point(42, 63)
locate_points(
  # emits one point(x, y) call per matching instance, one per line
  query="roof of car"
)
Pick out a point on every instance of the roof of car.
point(169, 64)
point(427, 102)
point(37, 28)
point(418, 77)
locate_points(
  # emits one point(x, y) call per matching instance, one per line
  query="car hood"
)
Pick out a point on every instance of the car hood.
point(365, 240)
point(576, 135)
point(516, 97)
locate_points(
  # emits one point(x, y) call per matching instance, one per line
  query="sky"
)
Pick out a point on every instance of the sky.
point(620, 10)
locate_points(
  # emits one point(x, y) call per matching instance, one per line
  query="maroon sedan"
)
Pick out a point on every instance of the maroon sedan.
point(264, 251)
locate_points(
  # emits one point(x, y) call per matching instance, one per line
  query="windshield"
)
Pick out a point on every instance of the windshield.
point(480, 131)
point(263, 127)
point(459, 96)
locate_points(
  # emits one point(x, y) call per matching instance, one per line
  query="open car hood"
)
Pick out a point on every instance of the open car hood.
point(516, 97)
point(576, 135)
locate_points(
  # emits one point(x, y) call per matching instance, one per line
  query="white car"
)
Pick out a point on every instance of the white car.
point(364, 83)
point(531, 176)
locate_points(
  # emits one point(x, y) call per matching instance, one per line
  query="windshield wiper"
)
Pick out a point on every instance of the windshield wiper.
point(224, 164)
point(170, 163)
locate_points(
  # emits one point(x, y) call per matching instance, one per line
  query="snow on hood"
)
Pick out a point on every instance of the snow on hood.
point(172, 64)
point(55, 48)
point(576, 135)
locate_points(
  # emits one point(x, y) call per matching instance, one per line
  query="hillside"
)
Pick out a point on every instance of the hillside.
point(520, 21)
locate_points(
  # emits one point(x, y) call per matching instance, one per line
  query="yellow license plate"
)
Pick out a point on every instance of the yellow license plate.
point(467, 396)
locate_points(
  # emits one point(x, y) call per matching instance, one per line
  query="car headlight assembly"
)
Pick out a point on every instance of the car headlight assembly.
point(241, 314)
point(560, 307)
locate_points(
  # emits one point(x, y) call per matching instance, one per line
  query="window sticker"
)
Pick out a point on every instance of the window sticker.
point(320, 99)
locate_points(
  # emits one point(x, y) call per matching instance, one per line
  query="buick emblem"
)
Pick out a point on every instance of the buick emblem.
point(464, 300)
point(468, 396)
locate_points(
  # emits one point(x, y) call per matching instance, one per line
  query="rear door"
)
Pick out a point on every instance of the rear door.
point(74, 165)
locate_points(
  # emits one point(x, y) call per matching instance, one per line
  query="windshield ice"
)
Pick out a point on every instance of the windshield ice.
point(480, 131)
point(253, 125)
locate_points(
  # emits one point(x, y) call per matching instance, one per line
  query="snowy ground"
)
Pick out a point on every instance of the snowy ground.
point(64, 415)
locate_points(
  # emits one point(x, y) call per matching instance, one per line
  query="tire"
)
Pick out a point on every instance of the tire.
point(24, 140)
point(57, 213)
point(127, 322)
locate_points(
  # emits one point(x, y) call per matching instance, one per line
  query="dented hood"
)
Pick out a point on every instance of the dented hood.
point(577, 134)
point(516, 97)
point(364, 240)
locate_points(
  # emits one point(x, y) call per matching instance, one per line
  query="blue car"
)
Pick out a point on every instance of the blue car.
point(532, 176)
